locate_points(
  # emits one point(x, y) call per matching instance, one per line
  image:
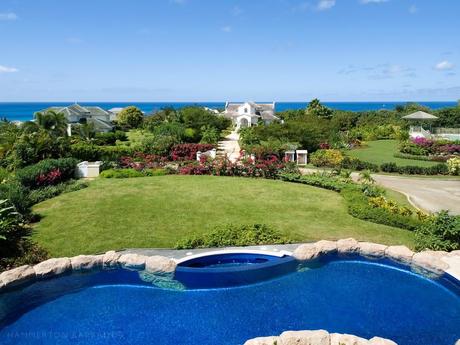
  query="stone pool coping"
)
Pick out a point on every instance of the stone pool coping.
point(150, 260)
point(317, 337)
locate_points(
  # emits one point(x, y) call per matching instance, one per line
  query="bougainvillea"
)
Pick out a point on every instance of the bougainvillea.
point(50, 178)
point(246, 167)
point(187, 152)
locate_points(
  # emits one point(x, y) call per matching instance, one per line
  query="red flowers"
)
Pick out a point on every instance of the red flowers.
point(50, 178)
point(187, 152)
point(141, 161)
point(267, 168)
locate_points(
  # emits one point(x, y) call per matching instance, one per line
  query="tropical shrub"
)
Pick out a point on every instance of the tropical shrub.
point(439, 232)
point(234, 235)
point(453, 165)
point(11, 222)
point(382, 202)
point(30, 148)
point(110, 138)
point(47, 172)
point(327, 158)
point(209, 135)
point(353, 163)
point(130, 117)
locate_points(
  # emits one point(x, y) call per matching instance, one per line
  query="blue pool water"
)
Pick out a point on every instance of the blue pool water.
point(347, 296)
point(24, 111)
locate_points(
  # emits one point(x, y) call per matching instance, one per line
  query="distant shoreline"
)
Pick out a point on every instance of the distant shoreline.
point(23, 111)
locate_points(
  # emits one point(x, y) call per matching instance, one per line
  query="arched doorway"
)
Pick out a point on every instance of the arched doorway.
point(244, 123)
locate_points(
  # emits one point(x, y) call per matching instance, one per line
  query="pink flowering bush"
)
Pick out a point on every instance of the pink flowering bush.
point(245, 167)
point(140, 161)
point(428, 147)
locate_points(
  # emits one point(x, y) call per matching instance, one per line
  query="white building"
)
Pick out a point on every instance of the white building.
point(249, 114)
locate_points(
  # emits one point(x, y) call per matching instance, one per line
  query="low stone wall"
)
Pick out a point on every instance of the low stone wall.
point(436, 262)
point(432, 261)
point(319, 337)
point(54, 267)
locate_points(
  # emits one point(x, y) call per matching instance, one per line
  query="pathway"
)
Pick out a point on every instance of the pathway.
point(230, 146)
point(428, 194)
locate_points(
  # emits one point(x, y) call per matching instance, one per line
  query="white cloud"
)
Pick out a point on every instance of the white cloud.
point(8, 16)
point(444, 66)
point(237, 11)
point(413, 9)
point(325, 4)
point(5, 69)
point(365, 2)
point(226, 28)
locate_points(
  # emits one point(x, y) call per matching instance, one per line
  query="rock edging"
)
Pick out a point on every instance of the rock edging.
point(317, 337)
point(436, 262)
point(57, 266)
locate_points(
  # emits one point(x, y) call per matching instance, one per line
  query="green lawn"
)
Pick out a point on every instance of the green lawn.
point(382, 151)
point(158, 211)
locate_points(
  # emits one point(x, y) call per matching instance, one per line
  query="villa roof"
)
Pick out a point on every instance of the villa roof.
point(420, 115)
point(78, 110)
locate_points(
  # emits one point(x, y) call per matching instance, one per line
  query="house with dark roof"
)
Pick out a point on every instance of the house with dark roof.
point(249, 114)
point(77, 114)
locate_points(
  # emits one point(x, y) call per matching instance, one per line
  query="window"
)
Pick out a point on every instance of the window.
point(245, 110)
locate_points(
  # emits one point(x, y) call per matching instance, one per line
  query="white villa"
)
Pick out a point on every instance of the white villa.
point(249, 114)
point(75, 114)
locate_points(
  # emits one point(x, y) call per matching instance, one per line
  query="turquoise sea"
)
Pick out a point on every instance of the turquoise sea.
point(15, 111)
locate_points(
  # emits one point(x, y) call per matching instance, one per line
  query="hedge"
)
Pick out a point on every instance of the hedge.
point(421, 158)
point(357, 202)
point(438, 169)
point(47, 172)
point(89, 152)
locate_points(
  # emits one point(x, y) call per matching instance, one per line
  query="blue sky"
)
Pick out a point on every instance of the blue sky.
point(217, 50)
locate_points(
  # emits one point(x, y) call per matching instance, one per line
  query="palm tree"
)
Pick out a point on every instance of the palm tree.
point(365, 176)
point(53, 122)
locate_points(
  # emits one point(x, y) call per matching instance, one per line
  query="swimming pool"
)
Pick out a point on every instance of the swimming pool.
point(346, 295)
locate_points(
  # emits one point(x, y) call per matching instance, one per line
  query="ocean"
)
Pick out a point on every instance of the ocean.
point(15, 111)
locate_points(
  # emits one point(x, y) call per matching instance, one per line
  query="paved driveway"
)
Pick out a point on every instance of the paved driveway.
point(426, 193)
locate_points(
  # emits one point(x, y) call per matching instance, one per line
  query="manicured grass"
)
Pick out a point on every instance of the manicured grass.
point(158, 211)
point(382, 151)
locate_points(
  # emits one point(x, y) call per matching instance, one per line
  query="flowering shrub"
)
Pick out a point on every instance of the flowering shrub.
point(140, 161)
point(453, 165)
point(424, 147)
point(50, 178)
point(324, 146)
point(246, 167)
point(187, 152)
point(326, 158)
point(47, 172)
point(382, 202)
